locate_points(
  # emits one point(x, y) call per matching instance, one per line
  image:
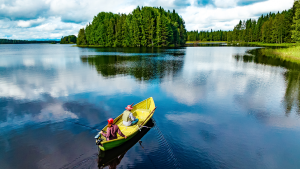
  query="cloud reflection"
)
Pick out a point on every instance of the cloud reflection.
point(53, 112)
point(185, 118)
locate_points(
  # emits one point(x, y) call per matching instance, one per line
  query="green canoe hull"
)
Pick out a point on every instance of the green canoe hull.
point(111, 145)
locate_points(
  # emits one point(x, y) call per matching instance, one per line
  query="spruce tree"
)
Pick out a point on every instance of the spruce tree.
point(296, 22)
point(81, 40)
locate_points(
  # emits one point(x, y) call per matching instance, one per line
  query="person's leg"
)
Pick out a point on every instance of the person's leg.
point(134, 121)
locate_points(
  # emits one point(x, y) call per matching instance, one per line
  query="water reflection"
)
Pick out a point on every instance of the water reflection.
point(291, 75)
point(147, 67)
point(216, 109)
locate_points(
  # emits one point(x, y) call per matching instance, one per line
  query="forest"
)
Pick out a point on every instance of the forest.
point(68, 39)
point(280, 27)
point(207, 35)
point(144, 27)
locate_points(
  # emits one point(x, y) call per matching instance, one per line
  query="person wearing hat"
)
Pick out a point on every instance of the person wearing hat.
point(111, 131)
point(128, 118)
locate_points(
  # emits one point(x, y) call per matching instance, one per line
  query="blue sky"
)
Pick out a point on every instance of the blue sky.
point(51, 19)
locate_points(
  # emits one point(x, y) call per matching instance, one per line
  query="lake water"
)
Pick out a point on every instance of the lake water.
point(217, 107)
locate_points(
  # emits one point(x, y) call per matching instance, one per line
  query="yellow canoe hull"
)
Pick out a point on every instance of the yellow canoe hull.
point(143, 111)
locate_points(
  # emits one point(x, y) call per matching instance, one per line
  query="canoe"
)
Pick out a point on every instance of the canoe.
point(113, 156)
point(143, 111)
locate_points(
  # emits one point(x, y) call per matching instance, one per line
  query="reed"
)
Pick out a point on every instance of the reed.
point(289, 54)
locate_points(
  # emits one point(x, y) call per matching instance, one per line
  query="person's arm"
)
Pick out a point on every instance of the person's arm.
point(131, 116)
point(120, 133)
point(107, 134)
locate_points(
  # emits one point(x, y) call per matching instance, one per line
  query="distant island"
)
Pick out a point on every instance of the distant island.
point(144, 27)
point(71, 39)
point(13, 41)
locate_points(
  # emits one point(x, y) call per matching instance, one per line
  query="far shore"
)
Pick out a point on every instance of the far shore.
point(285, 51)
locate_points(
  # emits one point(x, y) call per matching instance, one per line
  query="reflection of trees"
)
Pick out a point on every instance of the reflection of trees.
point(292, 93)
point(141, 67)
point(292, 76)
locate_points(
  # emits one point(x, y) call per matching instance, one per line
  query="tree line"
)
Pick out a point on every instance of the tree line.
point(207, 35)
point(270, 28)
point(144, 27)
point(68, 39)
point(12, 41)
point(280, 27)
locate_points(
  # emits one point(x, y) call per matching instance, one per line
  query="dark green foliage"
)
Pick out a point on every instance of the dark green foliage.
point(68, 39)
point(81, 37)
point(146, 26)
point(11, 41)
point(207, 36)
point(296, 21)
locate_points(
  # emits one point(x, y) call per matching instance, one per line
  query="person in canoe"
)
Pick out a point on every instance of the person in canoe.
point(128, 118)
point(112, 130)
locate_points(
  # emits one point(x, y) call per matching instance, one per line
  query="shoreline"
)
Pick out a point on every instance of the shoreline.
point(285, 51)
point(291, 54)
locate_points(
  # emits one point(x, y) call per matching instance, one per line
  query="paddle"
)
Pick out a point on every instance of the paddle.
point(142, 125)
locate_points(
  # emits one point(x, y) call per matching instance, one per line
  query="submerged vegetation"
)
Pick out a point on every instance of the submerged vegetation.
point(144, 27)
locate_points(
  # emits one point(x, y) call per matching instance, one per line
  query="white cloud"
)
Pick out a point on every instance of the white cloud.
point(29, 23)
point(225, 3)
point(204, 18)
point(43, 19)
point(41, 28)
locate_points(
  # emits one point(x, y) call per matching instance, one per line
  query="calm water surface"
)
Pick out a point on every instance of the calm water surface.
point(217, 107)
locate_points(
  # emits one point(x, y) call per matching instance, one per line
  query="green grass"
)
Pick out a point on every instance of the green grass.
point(261, 44)
point(289, 54)
point(271, 44)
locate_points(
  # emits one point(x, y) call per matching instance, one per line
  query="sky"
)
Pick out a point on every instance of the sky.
point(52, 19)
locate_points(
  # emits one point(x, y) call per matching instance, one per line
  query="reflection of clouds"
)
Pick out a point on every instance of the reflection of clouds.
point(284, 122)
point(52, 112)
point(28, 62)
point(32, 84)
point(214, 75)
point(184, 92)
point(184, 118)
point(8, 89)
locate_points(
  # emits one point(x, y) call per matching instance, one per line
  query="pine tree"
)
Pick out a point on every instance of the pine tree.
point(158, 31)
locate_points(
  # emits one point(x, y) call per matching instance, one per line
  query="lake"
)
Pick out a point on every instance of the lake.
point(217, 107)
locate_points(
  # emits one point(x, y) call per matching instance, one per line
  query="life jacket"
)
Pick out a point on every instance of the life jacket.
point(125, 116)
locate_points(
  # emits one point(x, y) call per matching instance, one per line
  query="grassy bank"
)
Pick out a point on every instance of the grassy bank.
point(289, 54)
point(271, 44)
point(261, 44)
